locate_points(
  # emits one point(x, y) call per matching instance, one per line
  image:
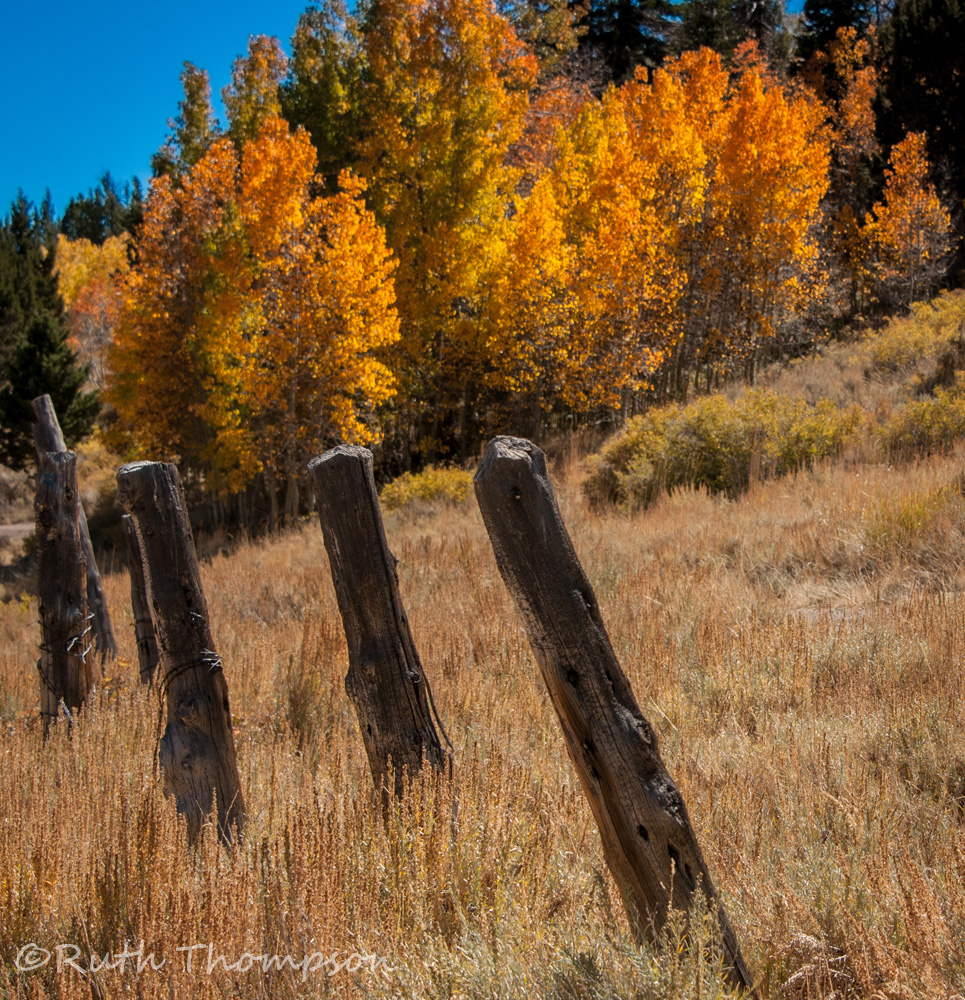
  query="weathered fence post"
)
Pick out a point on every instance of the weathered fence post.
point(648, 840)
point(198, 748)
point(65, 670)
point(48, 437)
point(147, 654)
point(385, 679)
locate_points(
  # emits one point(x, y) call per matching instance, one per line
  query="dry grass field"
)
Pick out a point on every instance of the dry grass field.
point(799, 650)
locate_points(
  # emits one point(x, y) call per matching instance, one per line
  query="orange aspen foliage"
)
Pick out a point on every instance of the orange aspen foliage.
point(176, 300)
point(686, 207)
point(851, 115)
point(530, 310)
point(626, 279)
point(91, 320)
point(446, 93)
point(757, 256)
point(853, 118)
point(910, 229)
point(247, 338)
point(555, 106)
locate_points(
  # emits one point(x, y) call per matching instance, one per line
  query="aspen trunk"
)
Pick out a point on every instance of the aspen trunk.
point(48, 437)
point(648, 840)
point(385, 679)
point(147, 654)
point(197, 750)
point(65, 666)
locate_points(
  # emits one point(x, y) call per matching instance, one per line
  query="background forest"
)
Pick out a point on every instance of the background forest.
point(435, 221)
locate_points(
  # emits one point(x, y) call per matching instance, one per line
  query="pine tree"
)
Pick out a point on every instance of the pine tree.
point(711, 24)
point(106, 210)
point(759, 19)
point(33, 351)
point(822, 22)
point(625, 34)
point(924, 82)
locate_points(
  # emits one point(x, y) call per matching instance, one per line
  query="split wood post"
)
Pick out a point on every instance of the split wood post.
point(48, 437)
point(385, 679)
point(66, 675)
point(147, 654)
point(197, 750)
point(648, 841)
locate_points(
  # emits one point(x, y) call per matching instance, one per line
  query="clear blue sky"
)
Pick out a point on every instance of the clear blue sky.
point(90, 87)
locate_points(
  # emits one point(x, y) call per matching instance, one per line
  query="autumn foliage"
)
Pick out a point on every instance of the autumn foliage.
point(448, 237)
point(910, 228)
point(249, 337)
point(90, 278)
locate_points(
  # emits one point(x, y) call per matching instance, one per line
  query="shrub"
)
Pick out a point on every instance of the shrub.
point(920, 340)
point(718, 444)
point(929, 424)
point(449, 485)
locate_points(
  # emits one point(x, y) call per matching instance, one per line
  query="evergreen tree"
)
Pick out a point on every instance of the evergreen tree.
point(710, 24)
point(924, 82)
point(822, 22)
point(625, 34)
point(107, 210)
point(34, 356)
point(759, 19)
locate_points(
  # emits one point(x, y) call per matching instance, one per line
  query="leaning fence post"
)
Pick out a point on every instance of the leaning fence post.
point(147, 654)
point(65, 670)
point(48, 437)
point(198, 748)
point(385, 679)
point(648, 841)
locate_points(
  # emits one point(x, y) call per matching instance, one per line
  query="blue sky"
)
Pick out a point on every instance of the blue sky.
point(90, 87)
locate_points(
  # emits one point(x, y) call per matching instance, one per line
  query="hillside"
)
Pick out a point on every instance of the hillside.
point(798, 647)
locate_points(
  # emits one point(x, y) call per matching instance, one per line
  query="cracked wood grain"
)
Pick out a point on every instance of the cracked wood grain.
point(385, 679)
point(648, 840)
point(197, 750)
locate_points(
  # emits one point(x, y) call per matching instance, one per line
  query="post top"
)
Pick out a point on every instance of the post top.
point(341, 451)
point(136, 467)
point(511, 449)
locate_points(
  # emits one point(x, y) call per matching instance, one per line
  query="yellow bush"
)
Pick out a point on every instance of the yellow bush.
point(918, 341)
point(448, 485)
point(718, 444)
point(929, 424)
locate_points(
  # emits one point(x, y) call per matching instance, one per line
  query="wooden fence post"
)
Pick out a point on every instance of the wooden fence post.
point(147, 654)
point(198, 749)
point(385, 679)
point(66, 676)
point(648, 841)
point(48, 437)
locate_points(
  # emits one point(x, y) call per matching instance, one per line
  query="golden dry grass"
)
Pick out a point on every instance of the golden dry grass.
point(799, 650)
